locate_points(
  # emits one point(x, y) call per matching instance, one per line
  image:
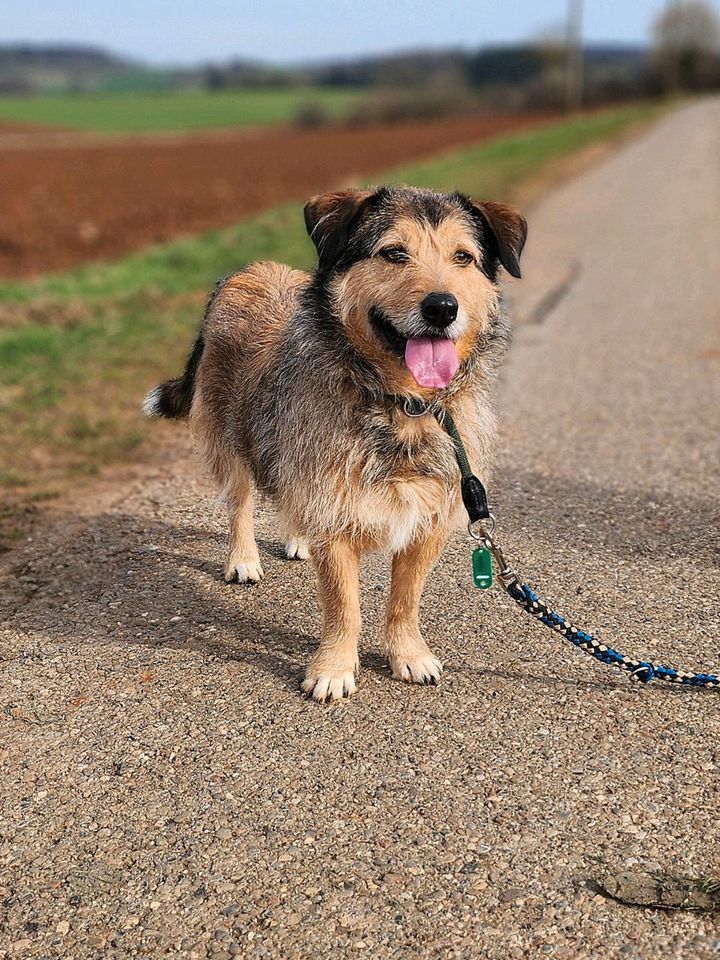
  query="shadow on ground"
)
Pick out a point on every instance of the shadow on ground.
point(629, 524)
point(124, 578)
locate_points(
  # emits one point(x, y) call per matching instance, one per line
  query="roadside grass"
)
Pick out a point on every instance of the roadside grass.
point(70, 395)
point(191, 110)
point(79, 350)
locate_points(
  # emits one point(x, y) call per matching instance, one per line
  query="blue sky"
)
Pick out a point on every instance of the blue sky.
point(189, 31)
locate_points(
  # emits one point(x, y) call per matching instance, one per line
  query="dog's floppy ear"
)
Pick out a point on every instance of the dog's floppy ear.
point(328, 218)
point(509, 229)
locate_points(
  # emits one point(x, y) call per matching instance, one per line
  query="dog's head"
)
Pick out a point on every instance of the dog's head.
point(413, 275)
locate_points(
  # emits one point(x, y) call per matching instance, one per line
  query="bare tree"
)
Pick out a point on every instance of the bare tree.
point(687, 40)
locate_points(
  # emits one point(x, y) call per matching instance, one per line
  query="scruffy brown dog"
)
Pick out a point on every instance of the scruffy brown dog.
point(297, 384)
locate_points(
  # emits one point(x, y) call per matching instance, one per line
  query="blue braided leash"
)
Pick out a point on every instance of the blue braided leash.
point(475, 501)
point(642, 670)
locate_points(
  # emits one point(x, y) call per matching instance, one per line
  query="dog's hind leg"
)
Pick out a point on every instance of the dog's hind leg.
point(296, 546)
point(331, 672)
point(243, 560)
point(411, 659)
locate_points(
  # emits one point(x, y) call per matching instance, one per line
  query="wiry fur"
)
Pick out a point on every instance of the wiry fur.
point(293, 388)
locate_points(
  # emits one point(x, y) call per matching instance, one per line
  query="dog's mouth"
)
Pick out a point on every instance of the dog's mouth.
point(387, 333)
point(433, 361)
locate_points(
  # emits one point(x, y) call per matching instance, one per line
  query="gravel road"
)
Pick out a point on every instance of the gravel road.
point(165, 790)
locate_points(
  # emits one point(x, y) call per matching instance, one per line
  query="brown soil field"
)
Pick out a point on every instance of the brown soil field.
point(71, 198)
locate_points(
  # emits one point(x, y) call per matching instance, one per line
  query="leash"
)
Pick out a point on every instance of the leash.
point(481, 527)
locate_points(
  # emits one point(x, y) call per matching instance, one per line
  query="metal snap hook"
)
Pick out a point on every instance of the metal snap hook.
point(482, 530)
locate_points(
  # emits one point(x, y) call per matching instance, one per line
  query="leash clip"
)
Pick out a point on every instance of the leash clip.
point(481, 534)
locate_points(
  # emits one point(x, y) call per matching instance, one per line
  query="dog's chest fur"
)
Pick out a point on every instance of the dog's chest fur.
point(407, 477)
point(368, 471)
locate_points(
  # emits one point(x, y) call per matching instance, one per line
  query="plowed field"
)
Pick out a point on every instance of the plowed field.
point(68, 198)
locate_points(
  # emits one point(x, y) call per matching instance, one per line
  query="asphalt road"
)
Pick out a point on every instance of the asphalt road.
point(165, 789)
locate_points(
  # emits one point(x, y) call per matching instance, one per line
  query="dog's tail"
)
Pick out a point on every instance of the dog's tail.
point(173, 398)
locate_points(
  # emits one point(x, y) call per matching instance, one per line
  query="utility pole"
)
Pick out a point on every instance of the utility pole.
point(574, 62)
point(672, 53)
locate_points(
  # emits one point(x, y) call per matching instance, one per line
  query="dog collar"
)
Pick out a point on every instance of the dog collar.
point(471, 487)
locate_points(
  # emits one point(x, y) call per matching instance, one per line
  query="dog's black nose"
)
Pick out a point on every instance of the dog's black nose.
point(439, 309)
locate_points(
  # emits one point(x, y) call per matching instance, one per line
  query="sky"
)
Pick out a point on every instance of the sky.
point(284, 31)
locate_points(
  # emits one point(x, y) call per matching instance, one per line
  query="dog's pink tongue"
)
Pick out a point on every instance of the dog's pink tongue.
point(432, 362)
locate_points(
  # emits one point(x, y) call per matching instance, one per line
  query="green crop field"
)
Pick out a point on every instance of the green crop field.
point(79, 350)
point(138, 112)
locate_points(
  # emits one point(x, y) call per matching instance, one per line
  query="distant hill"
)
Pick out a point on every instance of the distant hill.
point(28, 56)
point(29, 68)
point(506, 64)
point(400, 69)
point(616, 53)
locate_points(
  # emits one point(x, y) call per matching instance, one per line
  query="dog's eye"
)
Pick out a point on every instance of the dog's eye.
point(463, 258)
point(394, 254)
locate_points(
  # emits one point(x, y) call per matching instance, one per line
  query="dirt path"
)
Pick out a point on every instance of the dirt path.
point(165, 791)
point(72, 198)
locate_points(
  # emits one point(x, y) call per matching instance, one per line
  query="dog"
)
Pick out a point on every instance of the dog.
point(297, 385)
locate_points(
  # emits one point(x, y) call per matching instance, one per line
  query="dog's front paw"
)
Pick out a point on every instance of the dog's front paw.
point(243, 571)
point(424, 668)
point(297, 549)
point(326, 685)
